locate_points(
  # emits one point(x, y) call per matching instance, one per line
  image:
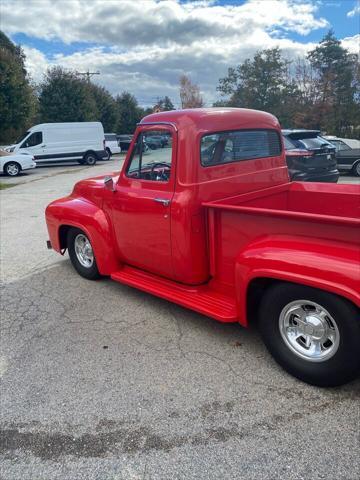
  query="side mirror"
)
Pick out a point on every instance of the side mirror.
point(109, 184)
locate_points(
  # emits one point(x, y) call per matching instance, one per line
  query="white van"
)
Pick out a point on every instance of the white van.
point(83, 142)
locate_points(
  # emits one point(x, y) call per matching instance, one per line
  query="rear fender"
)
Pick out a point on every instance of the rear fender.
point(318, 263)
point(80, 213)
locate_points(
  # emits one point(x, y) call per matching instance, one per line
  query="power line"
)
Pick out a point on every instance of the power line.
point(87, 74)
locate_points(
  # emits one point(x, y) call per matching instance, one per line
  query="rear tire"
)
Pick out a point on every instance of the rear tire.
point(12, 169)
point(356, 169)
point(312, 334)
point(90, 158)
point(81, 254)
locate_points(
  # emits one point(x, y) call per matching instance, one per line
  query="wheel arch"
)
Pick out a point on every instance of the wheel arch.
point(77, 213)
point(270, 261)
point(12, 161)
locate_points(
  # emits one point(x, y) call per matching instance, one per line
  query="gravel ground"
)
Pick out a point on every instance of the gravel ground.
point(101, 381)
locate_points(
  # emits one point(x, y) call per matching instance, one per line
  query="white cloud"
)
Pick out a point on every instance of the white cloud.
point(143, 46)
point(352, 43)
point(354, 11)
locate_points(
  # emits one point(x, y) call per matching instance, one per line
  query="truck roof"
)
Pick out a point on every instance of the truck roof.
point(215, 119)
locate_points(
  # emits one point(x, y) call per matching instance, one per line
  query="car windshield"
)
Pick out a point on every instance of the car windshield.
point(21, 138)
point(110, 138)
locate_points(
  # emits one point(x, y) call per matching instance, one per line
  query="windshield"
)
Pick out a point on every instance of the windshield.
point(21, 138)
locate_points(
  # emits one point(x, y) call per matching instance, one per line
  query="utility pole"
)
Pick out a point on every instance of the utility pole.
point(87, 74)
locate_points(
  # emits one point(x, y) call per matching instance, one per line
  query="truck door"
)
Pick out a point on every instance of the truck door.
point(142, 201)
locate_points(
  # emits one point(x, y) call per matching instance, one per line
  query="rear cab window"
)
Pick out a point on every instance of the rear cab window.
point(238, 145)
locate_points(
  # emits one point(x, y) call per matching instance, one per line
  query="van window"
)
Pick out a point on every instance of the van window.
point(238, 145)
point(33, 140)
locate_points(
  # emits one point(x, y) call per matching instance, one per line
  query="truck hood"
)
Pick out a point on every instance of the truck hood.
point(93, 189)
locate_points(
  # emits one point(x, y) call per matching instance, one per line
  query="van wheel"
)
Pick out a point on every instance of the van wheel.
point(12, 169)
point(312, 334)
point(90, 158)
point(81, 254)
point(108, 151)
point(356, 169)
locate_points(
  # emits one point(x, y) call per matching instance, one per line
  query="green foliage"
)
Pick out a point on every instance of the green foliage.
point(165, 104)
point(262, 83)
point(337, 103)
point(129, 113)
point(64, 97)
point(17, 96)
point(321, 92)
point(106, 107)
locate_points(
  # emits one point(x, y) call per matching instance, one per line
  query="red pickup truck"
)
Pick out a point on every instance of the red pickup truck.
point(209, 220)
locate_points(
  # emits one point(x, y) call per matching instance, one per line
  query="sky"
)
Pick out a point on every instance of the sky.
point(143, 46)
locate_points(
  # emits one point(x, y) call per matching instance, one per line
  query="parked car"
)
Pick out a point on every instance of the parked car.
point(124, 142)
point(83, 142)
point(13, 164)
point(310, 158)
point(348, 159)
point(154, 142)
point(111, 144)
point(351, 142)
point(231, 239)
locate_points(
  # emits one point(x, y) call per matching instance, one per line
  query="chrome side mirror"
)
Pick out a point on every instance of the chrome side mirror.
point(109, 184)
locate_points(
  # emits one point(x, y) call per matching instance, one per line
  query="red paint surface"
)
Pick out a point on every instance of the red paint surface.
point(225, 227)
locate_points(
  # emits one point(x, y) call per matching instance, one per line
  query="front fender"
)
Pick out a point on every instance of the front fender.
point(324, 264)
point(79, 212)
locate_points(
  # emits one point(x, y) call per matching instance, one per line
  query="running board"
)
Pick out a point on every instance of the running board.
point(201, 298)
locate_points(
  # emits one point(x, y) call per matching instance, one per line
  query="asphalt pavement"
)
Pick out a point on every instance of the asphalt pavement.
point(101, 381)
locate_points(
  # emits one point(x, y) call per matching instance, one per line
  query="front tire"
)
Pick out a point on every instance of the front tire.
point(81, 254)
point(12, 169)
point(312, 334)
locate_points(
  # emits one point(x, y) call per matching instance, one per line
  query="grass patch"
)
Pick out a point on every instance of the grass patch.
point(4, 186)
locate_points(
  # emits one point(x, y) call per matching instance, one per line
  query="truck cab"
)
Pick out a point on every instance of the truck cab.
point(211, 221)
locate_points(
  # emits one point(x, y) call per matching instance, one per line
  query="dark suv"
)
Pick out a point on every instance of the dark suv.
point(310, 158)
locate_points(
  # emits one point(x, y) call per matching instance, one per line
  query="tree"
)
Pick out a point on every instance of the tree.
point(106, 107)
point(129, 113)
point(263, 83)
point(164, 104)
point(64, 97)
point(17, 96)
point(336, 105)
point(190, 93)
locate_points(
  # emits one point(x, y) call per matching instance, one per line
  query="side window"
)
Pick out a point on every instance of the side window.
point(237, 145)
point(33, 140)
point(151, 157)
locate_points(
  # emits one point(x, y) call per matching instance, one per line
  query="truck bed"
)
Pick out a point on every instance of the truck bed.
point(311, 212)
point(324, 203)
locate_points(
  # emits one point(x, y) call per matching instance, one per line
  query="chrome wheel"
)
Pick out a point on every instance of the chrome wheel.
point(83, 250)
point(309, 330)
point(12, 169)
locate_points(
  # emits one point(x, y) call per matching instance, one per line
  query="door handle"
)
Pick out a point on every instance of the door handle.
point(164, 201)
